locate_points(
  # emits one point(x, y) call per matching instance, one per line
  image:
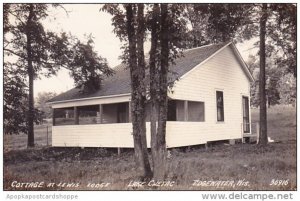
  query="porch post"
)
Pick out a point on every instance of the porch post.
point(100, 113)
point(129, 111)
point(186, 115)
point(53, 116)
point(76, 117)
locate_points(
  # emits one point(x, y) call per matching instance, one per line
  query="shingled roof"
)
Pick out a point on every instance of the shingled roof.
point(119, 83)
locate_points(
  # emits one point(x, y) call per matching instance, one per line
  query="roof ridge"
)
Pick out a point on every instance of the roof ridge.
point(223, 43)
point(121, 66)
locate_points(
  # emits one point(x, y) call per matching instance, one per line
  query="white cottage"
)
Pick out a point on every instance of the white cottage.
point(210, 102)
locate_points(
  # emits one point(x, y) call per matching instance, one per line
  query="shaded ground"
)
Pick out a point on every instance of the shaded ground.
point(81, 168)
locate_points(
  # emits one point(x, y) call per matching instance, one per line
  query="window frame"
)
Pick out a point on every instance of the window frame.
point(249, 113)
point(217, 106)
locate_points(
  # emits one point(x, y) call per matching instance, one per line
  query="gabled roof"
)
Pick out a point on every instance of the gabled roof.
point(119, 83)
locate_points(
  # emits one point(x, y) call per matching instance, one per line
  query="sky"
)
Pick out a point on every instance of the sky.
point(85, 19)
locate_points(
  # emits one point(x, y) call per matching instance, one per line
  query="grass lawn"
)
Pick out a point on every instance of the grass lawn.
point(102, 169)
point(19, 142)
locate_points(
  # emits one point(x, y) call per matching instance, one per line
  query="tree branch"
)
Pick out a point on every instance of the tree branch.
point(14, 53)
point(23, 57)
point(16, 16)
point(66, 11)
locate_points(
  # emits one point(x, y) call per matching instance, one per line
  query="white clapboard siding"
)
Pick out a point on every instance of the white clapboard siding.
point(222, 72)
point(93, 135)
point(119, 135)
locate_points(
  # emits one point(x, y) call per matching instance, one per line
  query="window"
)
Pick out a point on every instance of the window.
point(246, 122)
point(220, 105)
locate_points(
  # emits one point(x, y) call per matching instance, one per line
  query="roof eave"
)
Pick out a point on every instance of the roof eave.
point(244, 64)
point(90, 98)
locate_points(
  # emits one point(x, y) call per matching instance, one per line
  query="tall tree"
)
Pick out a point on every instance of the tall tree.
point(263, 136)
point(167, 25)
point(139, 85)
point(168, 28)
point(159, 148)
point(272, 21)
point(129, 25)
point(154, 78)
point(29, 42)
point(33, 51)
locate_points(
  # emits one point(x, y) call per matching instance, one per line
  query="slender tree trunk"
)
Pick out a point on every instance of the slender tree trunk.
point(137, 97)
point(154, 85)
point(263, 136)
point(30, 71)
point(160, 160)
point(142, 89)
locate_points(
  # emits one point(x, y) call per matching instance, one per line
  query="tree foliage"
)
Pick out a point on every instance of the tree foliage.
point(41, 103)
point(288, 89)
point(30, 51)
point(284, 36)
point(14, 110)
point(86, 67)
point(215, 23)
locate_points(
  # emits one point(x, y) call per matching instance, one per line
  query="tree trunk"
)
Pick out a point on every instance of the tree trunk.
point(30, 71)
point(154, 86)
point(263, 136)
point(142, 89)
point(160, 159)
point(138, 96)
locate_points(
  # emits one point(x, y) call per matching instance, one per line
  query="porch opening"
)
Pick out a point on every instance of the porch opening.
point(115, 113)
point(180, 110)
point(88, 114)
point(63, 116)
point(92, 114)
